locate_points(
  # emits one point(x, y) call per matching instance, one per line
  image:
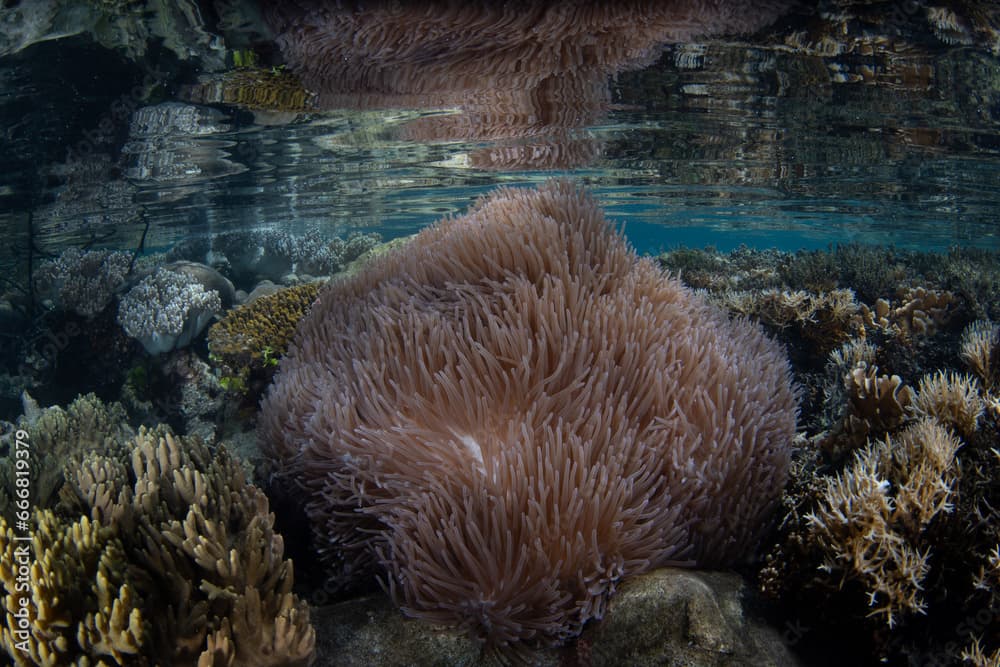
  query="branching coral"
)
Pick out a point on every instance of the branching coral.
point(65, 595)
point(204, 557)
point(826, 319)
point(514, 412)
point(58, 436)
point(952, 399)
point(981, 349)
point(870, 517)
point(84, 282)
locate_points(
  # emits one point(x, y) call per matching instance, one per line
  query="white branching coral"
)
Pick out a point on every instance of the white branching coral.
point(83, 282)
point(167, 310)
point(871, 517)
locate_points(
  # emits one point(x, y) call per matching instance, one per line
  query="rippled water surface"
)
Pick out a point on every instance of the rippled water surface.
point(718, 143)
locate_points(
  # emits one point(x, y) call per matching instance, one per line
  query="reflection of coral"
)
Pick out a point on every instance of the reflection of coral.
point(871, 517)
point(512, 70)
point(261, 89)
point(593, 417)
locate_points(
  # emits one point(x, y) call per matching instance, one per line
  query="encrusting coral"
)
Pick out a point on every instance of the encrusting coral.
point(515, 412)
point(250, 339)
point(164, 554)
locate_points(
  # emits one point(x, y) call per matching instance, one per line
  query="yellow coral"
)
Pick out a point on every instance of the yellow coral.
point(251, 338)
point(66, 598)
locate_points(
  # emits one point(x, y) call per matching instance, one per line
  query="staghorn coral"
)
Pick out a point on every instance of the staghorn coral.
point(951, 399)
point(513, 413)
point(980, 347)
point(250, 339)
point(871, 517)
point(167, 310)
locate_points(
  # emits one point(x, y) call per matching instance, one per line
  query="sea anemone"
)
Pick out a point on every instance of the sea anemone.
point(513, 412)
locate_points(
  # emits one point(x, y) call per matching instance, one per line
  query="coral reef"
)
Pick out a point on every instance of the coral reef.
point(163, 554)
point(84, 282)
point(72, 602)
point(825, 319)
point(515, 413)
point(920, 312)
point(870, 519)
point(167, 310)
point(981, 351)
point(951, 399)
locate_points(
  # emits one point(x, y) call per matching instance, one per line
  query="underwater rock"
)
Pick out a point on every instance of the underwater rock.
point(669, 616)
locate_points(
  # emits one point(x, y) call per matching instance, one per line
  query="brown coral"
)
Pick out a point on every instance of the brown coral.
point(514, 412)
point(920, 312)
point(201, 542)
point(249, 339)
point(952, 399)
point(163, 555)
point(980, 347)
point(870, 519)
